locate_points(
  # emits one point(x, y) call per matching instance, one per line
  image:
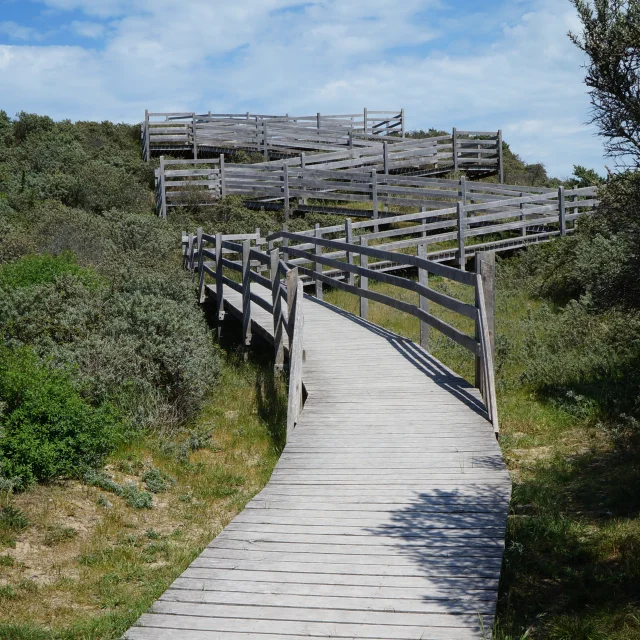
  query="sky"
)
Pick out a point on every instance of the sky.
point(474, 65)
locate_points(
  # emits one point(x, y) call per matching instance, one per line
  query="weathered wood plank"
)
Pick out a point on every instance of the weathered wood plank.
point(385, 516)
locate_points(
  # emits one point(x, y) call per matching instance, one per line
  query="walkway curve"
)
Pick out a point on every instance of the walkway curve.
point(384, 518)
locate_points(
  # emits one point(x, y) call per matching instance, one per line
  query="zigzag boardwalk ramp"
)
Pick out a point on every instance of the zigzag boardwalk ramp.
point(384, 518)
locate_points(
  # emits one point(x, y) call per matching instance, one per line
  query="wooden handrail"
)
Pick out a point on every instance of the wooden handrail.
point(290, 324)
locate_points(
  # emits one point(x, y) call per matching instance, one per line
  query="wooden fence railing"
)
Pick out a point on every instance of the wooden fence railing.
point(163, 132)
point(235, 262)
point(232, 261)
point(493, 226)
point(308, 188)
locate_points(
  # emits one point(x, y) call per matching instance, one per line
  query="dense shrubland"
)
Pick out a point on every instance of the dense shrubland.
point(100, 332)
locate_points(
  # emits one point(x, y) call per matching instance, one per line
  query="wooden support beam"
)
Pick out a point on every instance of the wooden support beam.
point(295, 297)
point(163, 189)
point(278, 317)
point(285, 190)
point(374, 197)
point(285, 244)
point(562, 212)
point(265, 134)
point(246, 292)
point(348, 234)
point(364, 281)
point(190, 255)
point(147, 141)
point(486, 268)
point(423, 279)
point(223, 179)
point(219, 286)
point(500, 158)
point(463, 191)
point(461, 215)
point(454, 137)
point(318, 265)
point(385, 157)
point(195, 142)
point(201, 289)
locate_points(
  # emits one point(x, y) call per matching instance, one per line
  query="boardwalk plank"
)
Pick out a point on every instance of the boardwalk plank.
point(384, 518)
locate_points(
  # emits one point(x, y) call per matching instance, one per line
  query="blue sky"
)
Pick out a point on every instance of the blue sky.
point(497, 64)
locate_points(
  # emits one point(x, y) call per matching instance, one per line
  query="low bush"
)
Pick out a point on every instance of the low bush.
point(130, 492)
point(138, 343)
point(47, 429)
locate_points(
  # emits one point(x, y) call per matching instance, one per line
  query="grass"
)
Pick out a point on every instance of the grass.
point(79, 561)
point(571, 569)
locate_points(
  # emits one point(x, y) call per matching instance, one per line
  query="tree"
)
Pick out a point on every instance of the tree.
point(611, 40)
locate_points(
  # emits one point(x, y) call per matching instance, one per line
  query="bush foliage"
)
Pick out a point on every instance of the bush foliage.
point(46, 428)
point(93, 300)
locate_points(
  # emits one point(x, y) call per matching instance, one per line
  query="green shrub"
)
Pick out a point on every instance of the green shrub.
point(157, 481)
point(141, 344)
point(130, 491)
point(13, 518)
point(135, 498)
point(47, 430)
point(43, 269)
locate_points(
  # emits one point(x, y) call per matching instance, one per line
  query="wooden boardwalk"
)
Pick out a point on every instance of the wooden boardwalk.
point(384, 518)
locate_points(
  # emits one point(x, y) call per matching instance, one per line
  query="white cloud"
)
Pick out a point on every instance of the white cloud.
point(88, 29)
point(18, 32)
point(283, 56)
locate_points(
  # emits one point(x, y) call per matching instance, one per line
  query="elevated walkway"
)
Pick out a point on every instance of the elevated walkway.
point(384, 518)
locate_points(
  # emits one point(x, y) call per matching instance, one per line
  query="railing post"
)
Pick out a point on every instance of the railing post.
point(366, 123)
point(385, 157)
point(201, 289)
point(266, 144)
point(303, 166)
point(318, 265)
point(374, 197)
point(364, 281)
point(500, 157)
point(223, 179)
point(258, 141)
point(461, 228)
point(348, 238)
point(295, 297)
point(219, 286)
point(454, 138)
point(193, 129)
point(185, 250)
point(486, 268)
point(285, 244)
point(190, 255)
point(285, 180)
point(246, 292)
point(463, 191)
point(147, 141)
point(276, 300)
point(402, 122)
point(523, 217)
point(318, 123)
point(350, 140)
point(423, 279)
point(562, 212)
point(163, 190)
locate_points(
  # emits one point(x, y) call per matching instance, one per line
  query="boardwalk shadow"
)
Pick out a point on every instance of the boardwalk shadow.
point(455, 538)
point(441, 375)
